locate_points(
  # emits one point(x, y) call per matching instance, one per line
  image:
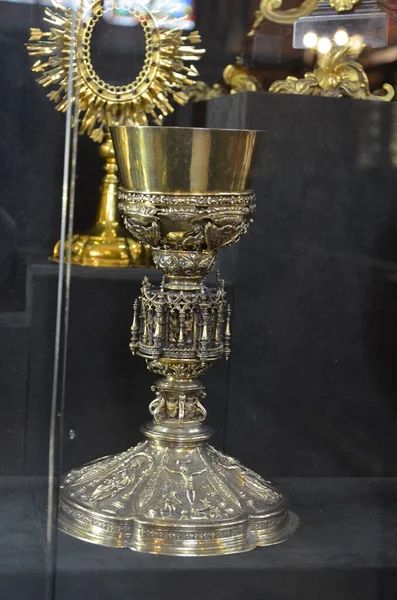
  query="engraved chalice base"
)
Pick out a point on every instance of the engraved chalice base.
point(176, 498)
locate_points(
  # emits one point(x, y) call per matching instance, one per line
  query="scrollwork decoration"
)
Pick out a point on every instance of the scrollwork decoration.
point(197, 223)
point(177, 370)
point(236, 78)
point(337, 74)
point(188, 264)
point(270, 10)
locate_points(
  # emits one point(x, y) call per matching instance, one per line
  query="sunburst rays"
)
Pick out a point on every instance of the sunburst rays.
point(167, 71)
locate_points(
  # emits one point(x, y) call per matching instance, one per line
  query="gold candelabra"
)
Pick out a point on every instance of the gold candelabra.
point(185, 193)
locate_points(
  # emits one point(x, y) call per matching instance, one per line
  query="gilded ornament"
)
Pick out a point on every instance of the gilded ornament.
point(343, 5)
point(167, 72)
point(270, 10)
point(200, 91)
point(337, 74)
point(236, 78)
point(239, 79)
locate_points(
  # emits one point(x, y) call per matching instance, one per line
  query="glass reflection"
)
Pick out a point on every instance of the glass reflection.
point(171, 13)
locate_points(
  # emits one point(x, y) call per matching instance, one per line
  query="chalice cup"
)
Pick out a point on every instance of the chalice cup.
point(185, 193)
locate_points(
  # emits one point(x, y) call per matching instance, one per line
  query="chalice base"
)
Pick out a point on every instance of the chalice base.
point(176, 498)
point(105, 246)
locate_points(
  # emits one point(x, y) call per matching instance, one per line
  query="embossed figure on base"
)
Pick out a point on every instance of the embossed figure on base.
point(174, 493)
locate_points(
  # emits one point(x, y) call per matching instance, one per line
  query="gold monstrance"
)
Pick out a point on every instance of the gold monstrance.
point(166, 72)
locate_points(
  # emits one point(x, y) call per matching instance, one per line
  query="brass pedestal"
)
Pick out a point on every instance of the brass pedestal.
point(107, 243)
point(105, 246)
point(184, 194)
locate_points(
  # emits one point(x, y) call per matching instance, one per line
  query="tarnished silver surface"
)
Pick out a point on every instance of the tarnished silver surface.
point(187, 223)
point(174, 493)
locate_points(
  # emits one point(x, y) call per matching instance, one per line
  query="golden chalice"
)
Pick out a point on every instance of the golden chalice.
point(185, 193)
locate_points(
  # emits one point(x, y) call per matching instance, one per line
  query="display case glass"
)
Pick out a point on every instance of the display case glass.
point(198, 299)
point(35, 156)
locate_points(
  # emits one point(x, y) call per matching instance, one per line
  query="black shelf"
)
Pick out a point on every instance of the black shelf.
point(345, 548)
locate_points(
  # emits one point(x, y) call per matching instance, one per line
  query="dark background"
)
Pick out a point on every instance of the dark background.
point(309, 395)
point(313, 381)
point(311, 389)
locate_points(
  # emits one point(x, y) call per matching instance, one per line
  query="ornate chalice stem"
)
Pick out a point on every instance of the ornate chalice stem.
point(180, 328)
point(174, 493)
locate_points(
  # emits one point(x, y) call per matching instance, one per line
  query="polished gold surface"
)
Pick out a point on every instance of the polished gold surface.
point(183, 160)
point(200, 91)
point(271, 10)
point(174, 493)
point(107, 243)
point(236, 78)
point(337, 74)
point(167, 71)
